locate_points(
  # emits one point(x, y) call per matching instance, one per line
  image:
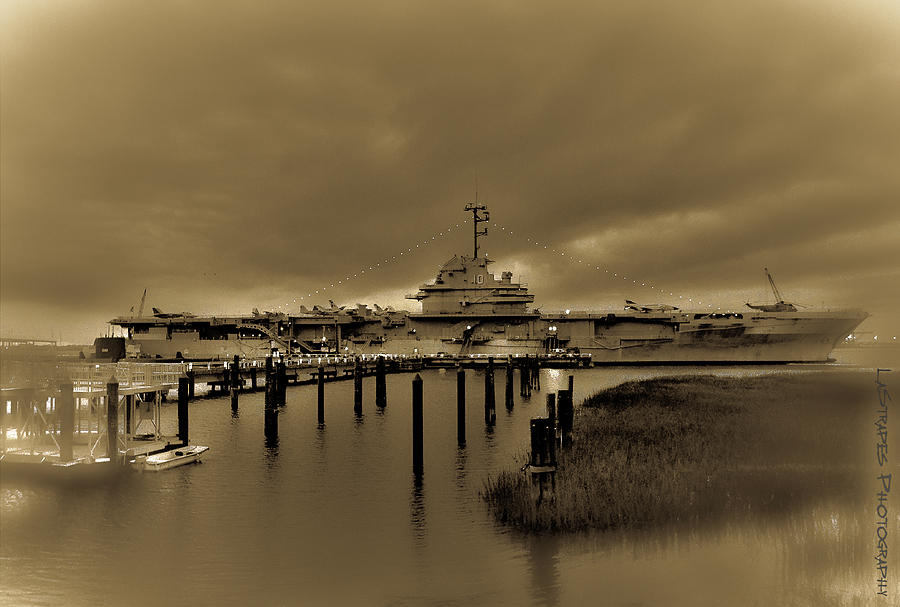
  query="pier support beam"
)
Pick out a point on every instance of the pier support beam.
point(460, 406)
point(543, 462)
point(129, 414)
point(551, 418)
point(183, 398)
point(490, 409)
point(524, 382)
point(235, 383)
point(190, 378)
point(380, 383)
point(509, 384)
point(417, 425)
point(357, 387)
point(320, 380)
point(65, 407)
point(112, 419)
point(270, 383)
point(270, 426)
point(281, 383)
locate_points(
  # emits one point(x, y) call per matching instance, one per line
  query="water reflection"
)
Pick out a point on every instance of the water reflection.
point(417, 522)
point(271, 449)
point(461, 477)
point(543, 557)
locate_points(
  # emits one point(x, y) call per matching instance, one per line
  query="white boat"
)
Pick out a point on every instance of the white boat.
point(170, 459)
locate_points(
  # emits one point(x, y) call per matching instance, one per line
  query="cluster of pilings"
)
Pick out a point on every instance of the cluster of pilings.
point(276, 381)
point(548, 435)
point(223, 379)
point(529, 373)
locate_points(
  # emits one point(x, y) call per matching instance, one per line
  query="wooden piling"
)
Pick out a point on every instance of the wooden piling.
point(527, 370)
point(380, 383)
point(536, 376)
point(490, 409)
point(460, 406)
point(572, 386)
point(270, 426)
point(281, 383)
point(190, 378)
point(129, 409)
point(510, 402)
point(112, 419)
point(357, 387)
point(270, 383)
point(320, 380)
point(417, 425)
point(524, 390)
point(235, 382)
point(65, 407)
point(543, 461)
point(183, 398)
point(551, 418)
point(539, 455)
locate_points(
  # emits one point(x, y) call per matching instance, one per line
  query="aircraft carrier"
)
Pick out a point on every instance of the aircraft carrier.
point(468, 311)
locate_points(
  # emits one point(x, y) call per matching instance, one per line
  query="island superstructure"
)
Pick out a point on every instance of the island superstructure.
point(467, 310)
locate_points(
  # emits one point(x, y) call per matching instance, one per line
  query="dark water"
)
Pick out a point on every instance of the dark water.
point(334, 516)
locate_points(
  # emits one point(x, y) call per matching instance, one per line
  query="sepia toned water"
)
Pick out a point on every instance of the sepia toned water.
point(333, 516)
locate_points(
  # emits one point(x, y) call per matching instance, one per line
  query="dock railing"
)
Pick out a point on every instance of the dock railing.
point(131, 376)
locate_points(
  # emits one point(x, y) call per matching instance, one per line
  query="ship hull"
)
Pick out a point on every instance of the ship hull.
point(756, 338)
point(661, 338)
point(609, 338)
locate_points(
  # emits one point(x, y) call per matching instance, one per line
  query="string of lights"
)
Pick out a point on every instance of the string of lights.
point(370, 269)
point(595, 267)
point(415, 247)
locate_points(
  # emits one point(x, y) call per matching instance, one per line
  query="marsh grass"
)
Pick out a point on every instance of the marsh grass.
point(697, 448)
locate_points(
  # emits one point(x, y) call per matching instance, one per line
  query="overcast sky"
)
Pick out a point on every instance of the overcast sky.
point(231, 155)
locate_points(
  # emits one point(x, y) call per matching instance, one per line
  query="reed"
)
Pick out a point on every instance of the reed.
point(700, 448)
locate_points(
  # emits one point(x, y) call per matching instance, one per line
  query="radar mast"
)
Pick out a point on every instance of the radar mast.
point(477, 218)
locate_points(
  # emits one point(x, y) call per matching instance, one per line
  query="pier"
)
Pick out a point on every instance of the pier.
point(217, 375)
point(72, 414)
point(64, 415)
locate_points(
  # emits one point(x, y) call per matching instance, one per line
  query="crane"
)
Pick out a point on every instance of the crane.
point(141, 307)
point(780, 305)
point(775, 290)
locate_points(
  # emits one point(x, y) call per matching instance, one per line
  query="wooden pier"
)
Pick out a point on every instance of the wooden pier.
point(61, 417)
point(84, 413)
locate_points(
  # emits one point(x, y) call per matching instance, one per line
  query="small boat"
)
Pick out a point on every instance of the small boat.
point(170, 459)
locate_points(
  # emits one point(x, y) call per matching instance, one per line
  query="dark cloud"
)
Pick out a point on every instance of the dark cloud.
point(230, 155)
